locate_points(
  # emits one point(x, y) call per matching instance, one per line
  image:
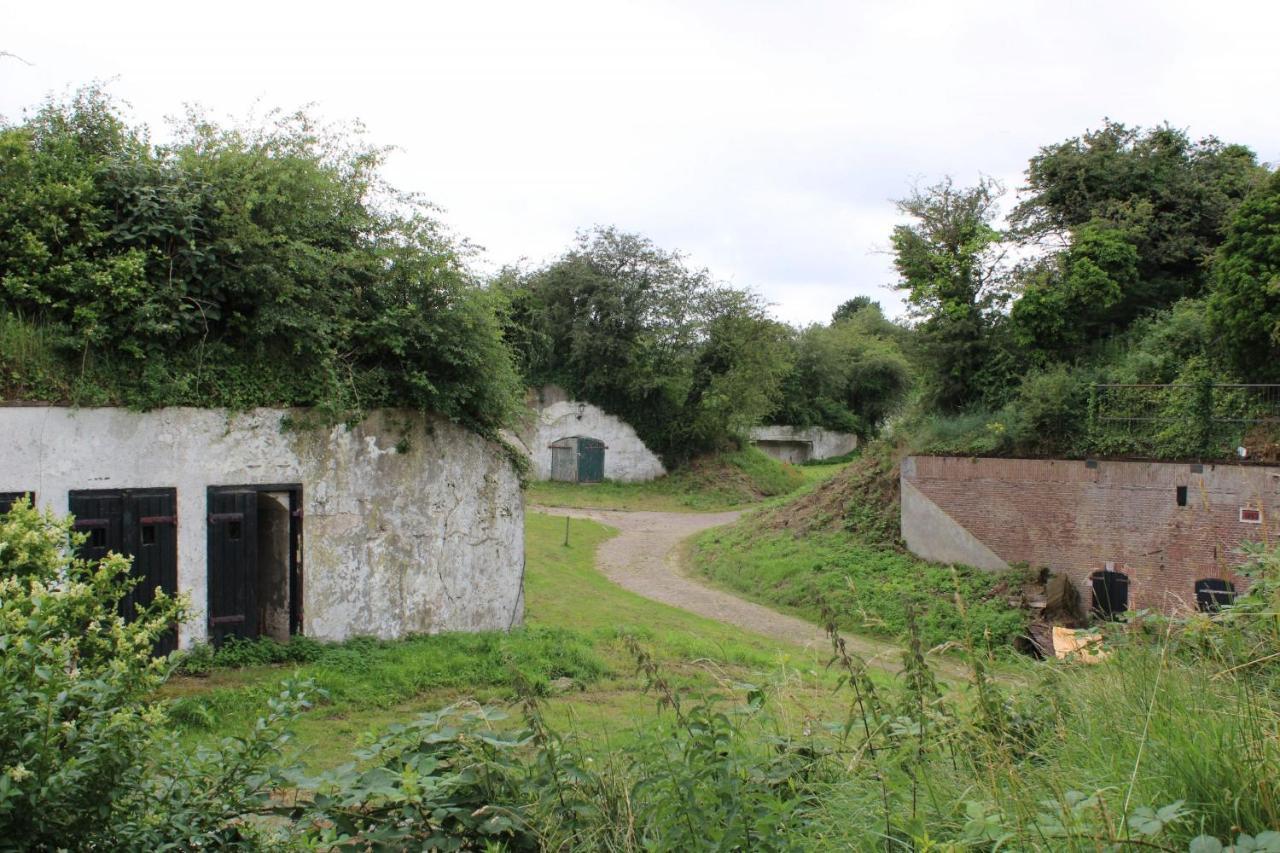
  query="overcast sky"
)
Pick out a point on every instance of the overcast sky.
point(765, 139)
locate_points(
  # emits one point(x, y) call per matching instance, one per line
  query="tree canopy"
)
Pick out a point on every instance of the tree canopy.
point(1143, 257)
point(618, 321)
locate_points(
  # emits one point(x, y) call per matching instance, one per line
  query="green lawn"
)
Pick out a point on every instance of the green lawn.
point(576, 622)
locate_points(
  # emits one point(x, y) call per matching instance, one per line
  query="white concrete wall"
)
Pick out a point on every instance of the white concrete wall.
point(823, 443)
point(425, 540)
point(552, 416)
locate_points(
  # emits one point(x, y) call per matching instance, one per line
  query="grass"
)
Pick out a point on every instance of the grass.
point(727, 481)
point(870, 586)
point(576, 622)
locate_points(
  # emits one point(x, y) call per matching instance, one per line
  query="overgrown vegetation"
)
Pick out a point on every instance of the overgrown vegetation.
point(1168, 744)
point(690, 363)
point(1146, 258)
point(235, 266)
point(836, 548)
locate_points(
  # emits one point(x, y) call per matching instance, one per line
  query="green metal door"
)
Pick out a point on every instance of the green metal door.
point(590, 460)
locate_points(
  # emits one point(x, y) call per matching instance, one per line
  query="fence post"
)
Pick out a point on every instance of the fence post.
point(1204, 415)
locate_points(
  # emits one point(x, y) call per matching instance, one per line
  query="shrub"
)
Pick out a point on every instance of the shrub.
point(86, 762)
point(235, 267)
point(75, 681)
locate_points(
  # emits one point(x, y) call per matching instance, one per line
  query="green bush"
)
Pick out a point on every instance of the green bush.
point(86, 760)
point(235, 267)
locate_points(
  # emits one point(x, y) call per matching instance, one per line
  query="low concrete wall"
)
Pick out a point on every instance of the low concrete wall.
point(791, 444)
point(1077, 517)
point(411, 524)
point(553, 416)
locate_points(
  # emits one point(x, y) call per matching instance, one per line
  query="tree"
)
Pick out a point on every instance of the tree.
point(630, 327)
point(1244, 305)
point(855, 306)
point(1171, 196)
point(848, 376)
point(950, 263)
point(1069, 298)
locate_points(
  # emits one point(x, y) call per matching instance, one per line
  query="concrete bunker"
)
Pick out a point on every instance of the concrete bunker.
point(554, 417)
point(785, 450)
point(413, 525)
point(797, 445)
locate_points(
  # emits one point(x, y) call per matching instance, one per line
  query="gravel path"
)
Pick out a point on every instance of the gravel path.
point(645, 558)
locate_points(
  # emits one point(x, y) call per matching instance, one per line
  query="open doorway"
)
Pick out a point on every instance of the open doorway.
point(255, 562)
point(1110, 594)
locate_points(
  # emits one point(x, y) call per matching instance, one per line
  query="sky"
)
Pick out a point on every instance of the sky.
point(766, 140)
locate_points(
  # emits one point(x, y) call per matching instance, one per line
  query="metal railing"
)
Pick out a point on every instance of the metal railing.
point(1218, 403)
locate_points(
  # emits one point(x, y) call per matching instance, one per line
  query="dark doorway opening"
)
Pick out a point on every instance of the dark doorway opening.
point(137, 523)
point(255, 562)
point(1110, 593)
point(8, 499)
point(1213, 594)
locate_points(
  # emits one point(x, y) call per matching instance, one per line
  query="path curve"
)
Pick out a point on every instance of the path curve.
point(645, 558)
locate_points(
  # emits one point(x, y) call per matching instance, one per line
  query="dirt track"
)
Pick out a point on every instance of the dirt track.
point(644, 558)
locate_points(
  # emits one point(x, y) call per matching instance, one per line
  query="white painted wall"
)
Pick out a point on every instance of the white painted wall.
point(553, 416)
point(426, 540)
point(823, 443)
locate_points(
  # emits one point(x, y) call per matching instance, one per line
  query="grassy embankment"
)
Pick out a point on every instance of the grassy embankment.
point(836, 545)
point(727, 481)
point(576, 622)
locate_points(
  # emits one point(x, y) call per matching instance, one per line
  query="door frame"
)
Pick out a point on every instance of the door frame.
point(294, 490)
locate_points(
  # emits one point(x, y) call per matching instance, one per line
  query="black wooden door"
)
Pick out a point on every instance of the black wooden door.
point(100, 516)
point(152, 523)
point(1213, 594)
point(136, 523)
point(233, 558)
point(7, 499)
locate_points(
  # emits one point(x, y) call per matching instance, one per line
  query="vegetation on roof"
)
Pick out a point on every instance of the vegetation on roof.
point(265, 264)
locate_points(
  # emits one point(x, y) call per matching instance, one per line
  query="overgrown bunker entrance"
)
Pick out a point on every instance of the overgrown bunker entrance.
point(255, 562)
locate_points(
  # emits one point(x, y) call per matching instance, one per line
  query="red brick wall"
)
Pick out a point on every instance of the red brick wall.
point(1075, 517)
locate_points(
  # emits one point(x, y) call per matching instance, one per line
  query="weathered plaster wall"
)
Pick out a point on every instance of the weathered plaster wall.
point(1076, 517)
point(787, 443)
point(425, 538)
point(553, 416)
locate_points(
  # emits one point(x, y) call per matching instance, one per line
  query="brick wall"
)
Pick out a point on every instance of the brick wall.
point(1075, 517)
